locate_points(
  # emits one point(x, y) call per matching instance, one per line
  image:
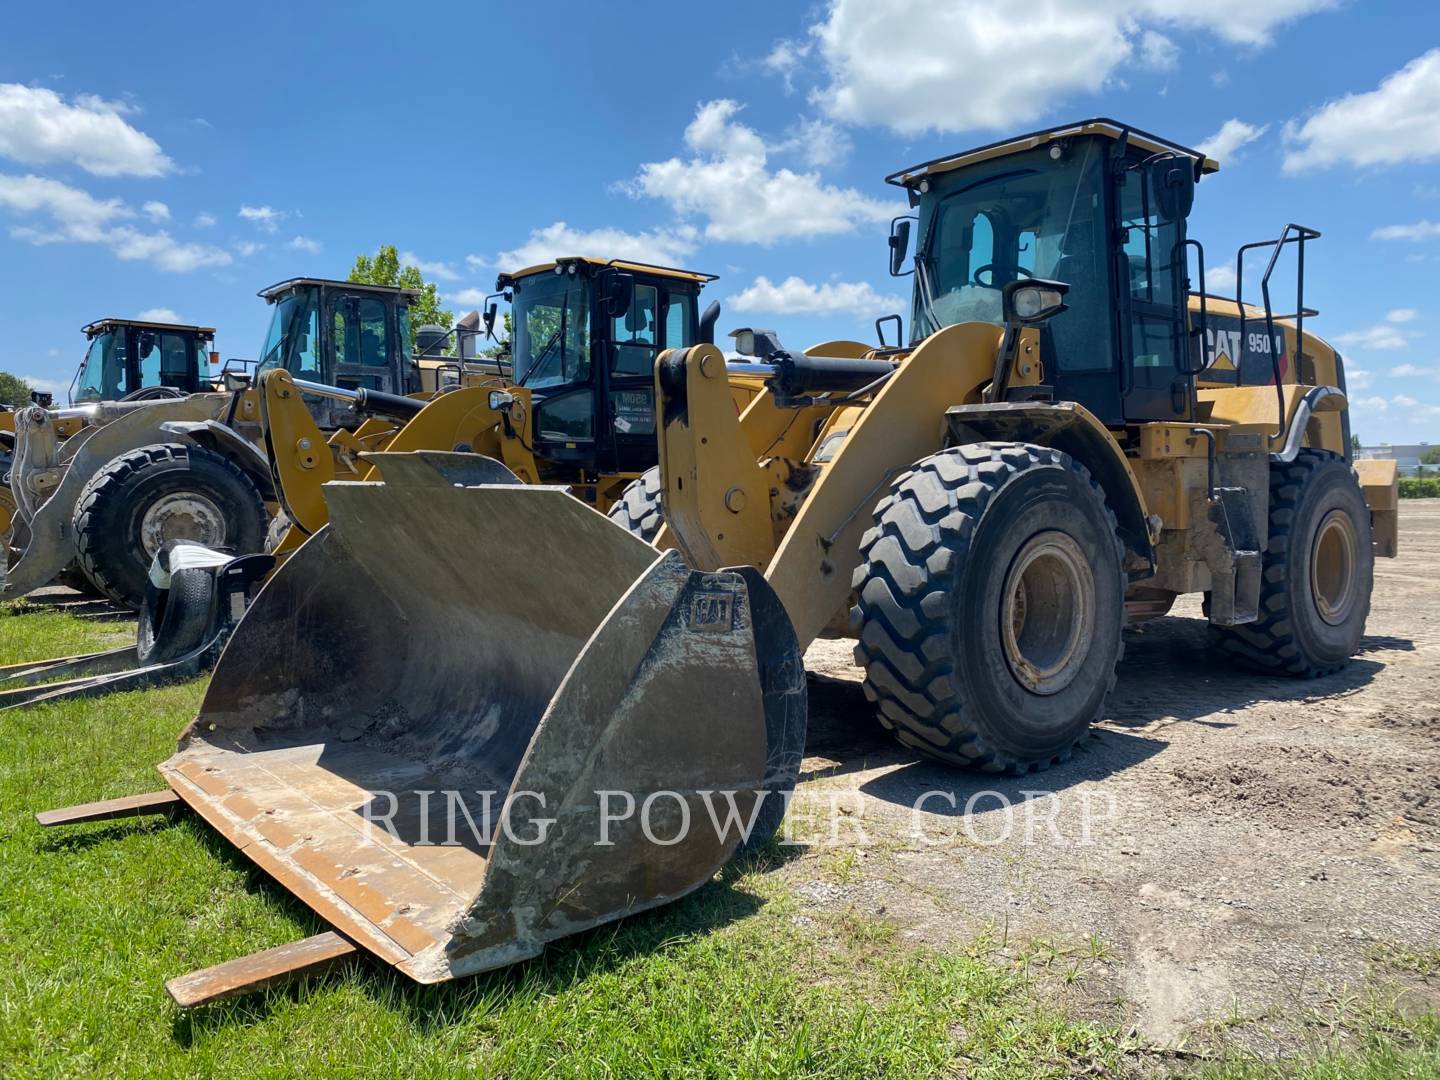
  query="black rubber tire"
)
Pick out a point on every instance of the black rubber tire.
point(110, 509)
point(1290, 637)
point(928, 592)
point(639, 508)
point(176, 620)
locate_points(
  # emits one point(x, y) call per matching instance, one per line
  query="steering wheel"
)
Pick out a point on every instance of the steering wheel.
point(992, 267)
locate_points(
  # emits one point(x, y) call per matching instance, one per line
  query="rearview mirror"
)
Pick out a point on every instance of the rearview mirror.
point(899, 244)
point(1172, 183)
point(489, 317)
point(616, 289)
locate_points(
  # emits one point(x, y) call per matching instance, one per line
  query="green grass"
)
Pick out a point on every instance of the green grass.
point(726, 982)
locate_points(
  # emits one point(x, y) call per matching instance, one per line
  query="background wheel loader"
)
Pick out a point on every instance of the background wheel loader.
point(195, 596)
point(1071, 439)
point(140, 473)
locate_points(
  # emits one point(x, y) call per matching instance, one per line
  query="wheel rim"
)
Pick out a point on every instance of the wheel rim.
point(182, 515)
point(1047, 613)
point(1332, 567)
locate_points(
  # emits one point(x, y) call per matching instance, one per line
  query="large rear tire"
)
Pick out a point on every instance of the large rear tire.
point(169, 491)
point(1318, 572)
point(990, 600)
point(639, 507)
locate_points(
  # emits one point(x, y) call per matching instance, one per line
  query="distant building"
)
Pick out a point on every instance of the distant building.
point(1406, 457)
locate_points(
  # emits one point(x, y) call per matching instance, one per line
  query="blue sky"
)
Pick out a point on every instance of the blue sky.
point(181, 158)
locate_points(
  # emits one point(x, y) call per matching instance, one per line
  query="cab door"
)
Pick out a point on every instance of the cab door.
point(1150, 285)
point(364, 343)
point(658, 318)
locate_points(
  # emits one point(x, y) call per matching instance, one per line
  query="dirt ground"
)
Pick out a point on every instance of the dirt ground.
point(1226, 860)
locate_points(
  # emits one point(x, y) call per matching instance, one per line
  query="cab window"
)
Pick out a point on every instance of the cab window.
point(636, 334)
point(679, 318)
point(360, 333)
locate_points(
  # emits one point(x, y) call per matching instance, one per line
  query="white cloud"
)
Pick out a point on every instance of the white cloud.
point(785, 59)
point(1402, 315)
point(76, 216)
point(1421, 230)
point(1372, 404)
point(442, 271)
point(1394, 123)
point(817, 143)
point(204, 221)
point(796, 296)
point(266, 217)
point(47, 385)
point(1220, 279)
point(728, 181)
point(39, 127)
point(305, 244)
point(246, 248)
point(667, 247)
point(1404, 401)
point(155, 210)
point(1158, 52)
point(918, 65)
point(478, 262)
point(1357, 378)
point(1403, 371)
point(1386, 335)
point(1233, 135)
point(159, 314)
point(470, 298)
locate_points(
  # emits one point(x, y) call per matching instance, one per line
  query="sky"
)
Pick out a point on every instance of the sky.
point(171, 160)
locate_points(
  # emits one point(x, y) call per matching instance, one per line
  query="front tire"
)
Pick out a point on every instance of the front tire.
point(639, 509)
point(1317, 575)
point(990, 600)
point(169, 491)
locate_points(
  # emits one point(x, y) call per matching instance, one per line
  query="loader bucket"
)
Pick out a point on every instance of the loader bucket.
point(431, 722)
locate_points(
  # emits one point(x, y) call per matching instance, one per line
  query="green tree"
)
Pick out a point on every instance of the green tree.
point(385, 269)
point(1354, 442)
point(13, 390)
point(1431, 456)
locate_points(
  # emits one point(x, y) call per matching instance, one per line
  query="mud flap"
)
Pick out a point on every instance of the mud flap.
point(461, 722)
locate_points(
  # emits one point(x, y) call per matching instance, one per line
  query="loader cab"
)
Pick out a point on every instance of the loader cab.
point(585, 337)
point(1096, 205)
point(128, 359)
point(343, 334)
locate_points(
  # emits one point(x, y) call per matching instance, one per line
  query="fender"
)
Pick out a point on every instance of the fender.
point(1074, 430)
point(213, 435)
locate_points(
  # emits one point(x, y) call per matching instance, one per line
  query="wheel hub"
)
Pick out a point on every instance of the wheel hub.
point(182, 515)
point(1047, 612)
point(1332, 567)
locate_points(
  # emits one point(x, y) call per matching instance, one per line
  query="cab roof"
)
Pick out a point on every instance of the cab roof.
point(101, 325)
point(620, 264)
point(282, 287)
point(1103, 126)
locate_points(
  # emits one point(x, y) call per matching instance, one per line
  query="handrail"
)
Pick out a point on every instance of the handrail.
point(1301, 234)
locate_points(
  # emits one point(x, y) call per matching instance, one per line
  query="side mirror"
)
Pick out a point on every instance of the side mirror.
point(490, 309)
point(899, 244)
point(1030, 301)
point(43, 398)
point(1172, 183)
point(616, 290)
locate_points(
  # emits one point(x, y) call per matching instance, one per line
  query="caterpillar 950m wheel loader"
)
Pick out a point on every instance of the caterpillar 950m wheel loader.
point(1070, 439)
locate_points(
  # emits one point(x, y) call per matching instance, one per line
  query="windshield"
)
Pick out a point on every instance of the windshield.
point(102, 373)
point(293, 340)
point(550, 314)
point(1025, 215)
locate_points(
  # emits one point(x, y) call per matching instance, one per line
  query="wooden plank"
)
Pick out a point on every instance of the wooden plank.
point(152, 802)
point(261, 970)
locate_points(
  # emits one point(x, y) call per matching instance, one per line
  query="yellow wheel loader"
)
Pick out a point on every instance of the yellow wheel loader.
point(104, 485)
point(1070, 439)
point(196, 595)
